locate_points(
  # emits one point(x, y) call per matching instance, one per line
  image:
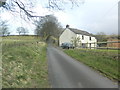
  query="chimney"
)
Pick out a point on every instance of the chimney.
point(67, 26)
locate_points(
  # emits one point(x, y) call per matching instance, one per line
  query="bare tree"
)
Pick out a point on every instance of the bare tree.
point(25, 31)
point(21, 30)
point(47, 27)
point(101, 36)
point(76, 41)
point(3, 28)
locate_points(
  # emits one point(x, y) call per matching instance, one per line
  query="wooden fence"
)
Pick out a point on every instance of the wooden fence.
point(113, 45)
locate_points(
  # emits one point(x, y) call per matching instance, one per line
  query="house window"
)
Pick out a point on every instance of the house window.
point(82, 37)
point(90, 38)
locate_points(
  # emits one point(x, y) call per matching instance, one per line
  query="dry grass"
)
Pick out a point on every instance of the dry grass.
point(24, 63)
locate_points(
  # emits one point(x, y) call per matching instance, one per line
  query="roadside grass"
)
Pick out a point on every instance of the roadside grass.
point(104, 61)
point(24, 64)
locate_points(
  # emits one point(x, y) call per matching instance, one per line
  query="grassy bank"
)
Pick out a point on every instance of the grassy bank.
point(24, 63)
point(104, 61)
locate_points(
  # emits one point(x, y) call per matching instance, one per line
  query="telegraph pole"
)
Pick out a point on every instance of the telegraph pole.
point(119, 18)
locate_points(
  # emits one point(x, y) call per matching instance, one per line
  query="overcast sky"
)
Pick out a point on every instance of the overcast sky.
point(93, 16)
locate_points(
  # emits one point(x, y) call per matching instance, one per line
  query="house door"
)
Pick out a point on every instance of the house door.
point(90, 46)
point(83, 45)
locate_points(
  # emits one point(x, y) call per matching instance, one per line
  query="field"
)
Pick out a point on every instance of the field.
point(24, 62)
point(104, 61)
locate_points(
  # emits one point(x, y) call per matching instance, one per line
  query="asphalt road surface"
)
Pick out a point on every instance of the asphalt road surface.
point(66, 72)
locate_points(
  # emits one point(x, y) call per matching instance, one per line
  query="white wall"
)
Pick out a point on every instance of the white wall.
point(66, 36)
point(87, 40)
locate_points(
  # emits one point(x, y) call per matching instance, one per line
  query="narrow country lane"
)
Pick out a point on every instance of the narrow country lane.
point(65, 72)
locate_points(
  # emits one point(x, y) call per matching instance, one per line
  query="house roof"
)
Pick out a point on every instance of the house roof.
point(80, 32)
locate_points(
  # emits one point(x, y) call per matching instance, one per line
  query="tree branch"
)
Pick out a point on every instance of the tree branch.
point(52, 4)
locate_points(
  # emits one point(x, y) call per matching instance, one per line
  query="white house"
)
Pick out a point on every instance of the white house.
point(85, 39)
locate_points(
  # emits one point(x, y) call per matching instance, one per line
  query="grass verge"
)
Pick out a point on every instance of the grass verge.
point(25, 66)
point(104, 61)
